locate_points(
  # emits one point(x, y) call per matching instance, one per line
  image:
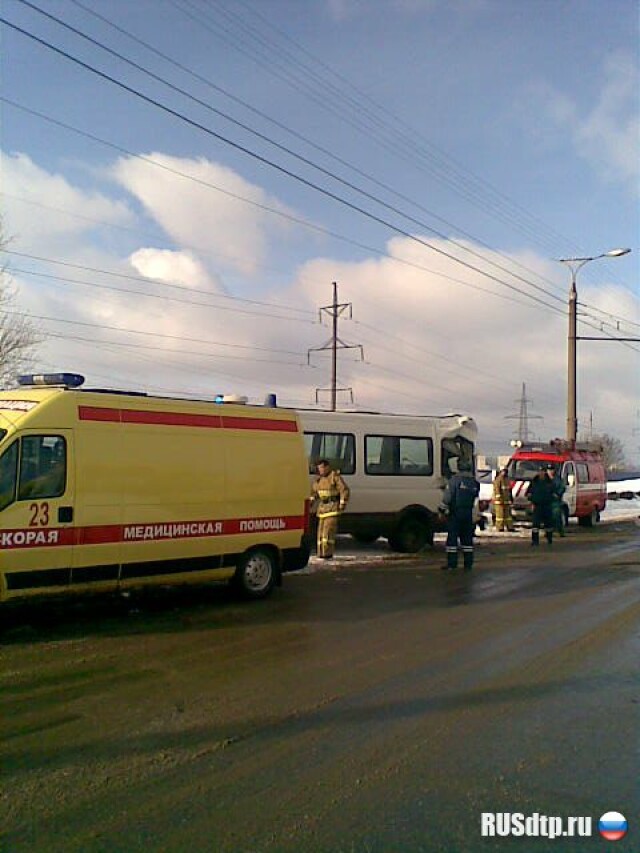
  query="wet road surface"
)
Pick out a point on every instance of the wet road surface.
point(365, 707)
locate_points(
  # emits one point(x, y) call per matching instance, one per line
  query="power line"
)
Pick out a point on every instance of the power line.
point(299, 157)
point(180, 352)
point(354, 207)
point(264, 160)
point(150, 334)
point(299, 136)
point(358, 103)
point(139, 232)
point(144, 280)
point(320, 229)
point(334, 235)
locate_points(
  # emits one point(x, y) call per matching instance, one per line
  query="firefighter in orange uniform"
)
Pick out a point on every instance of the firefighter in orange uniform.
point(331, 493)
point(502, 501)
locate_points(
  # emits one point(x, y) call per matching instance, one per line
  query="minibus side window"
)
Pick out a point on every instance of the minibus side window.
point(43, 467)
point(398, 455)
point(8, 471)
point(336, 447)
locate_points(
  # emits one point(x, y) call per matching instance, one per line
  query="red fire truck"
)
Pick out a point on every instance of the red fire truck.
point(582, 470)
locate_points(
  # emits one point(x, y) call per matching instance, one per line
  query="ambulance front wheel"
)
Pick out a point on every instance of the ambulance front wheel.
point(256, 573)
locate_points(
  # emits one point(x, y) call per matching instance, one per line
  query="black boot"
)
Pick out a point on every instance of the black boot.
point(549, 535)
point(535, 537)
point(452, 559)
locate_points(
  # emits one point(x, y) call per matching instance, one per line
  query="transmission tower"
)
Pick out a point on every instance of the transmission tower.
point(335, 310)
point(523, 416)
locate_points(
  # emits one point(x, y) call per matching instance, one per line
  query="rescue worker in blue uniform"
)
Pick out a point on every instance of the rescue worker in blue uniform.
point(557, 512)
point(457, 503)
point(540, 493)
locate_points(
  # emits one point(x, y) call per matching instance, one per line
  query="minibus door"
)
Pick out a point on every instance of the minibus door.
point(36, 511)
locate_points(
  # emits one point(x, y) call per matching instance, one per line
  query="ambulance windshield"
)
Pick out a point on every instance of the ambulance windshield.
point(8, 471)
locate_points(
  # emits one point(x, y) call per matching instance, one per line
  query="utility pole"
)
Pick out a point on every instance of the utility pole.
point(523, 415)
point(576, 264)
point(335, 310)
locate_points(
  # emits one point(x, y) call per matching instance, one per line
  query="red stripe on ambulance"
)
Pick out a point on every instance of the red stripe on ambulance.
point(183, 419)
point(147, 532)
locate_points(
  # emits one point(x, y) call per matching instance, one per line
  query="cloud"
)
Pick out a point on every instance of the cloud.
point(437, 336)
point(173, 267)
point(28, 190)
point(607, 135)
point(191, 213)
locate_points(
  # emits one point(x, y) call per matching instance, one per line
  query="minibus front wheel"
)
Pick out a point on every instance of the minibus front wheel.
point(256, 573)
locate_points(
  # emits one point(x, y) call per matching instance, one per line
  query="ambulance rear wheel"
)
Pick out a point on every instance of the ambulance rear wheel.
point(256, 573)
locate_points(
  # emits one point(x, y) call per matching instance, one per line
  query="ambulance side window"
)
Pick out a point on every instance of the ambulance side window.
point(43, 467)
point(8, 472)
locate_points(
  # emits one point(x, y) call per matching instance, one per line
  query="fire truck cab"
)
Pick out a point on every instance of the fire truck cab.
point(581, 468)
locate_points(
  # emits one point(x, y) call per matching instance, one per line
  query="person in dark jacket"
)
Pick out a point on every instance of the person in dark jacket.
point(557, 512)
point(540, 493)
point(457, 503)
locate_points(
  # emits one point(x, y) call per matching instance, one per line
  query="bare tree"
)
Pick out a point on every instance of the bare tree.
point(19, 336)
point(612, 451)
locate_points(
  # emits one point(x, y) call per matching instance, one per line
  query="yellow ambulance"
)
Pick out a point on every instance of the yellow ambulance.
point(104, 490)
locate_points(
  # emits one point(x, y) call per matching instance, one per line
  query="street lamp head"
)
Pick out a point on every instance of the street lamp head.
point(616, 253)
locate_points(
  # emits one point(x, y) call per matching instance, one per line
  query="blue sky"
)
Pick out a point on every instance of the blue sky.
point(489, 138)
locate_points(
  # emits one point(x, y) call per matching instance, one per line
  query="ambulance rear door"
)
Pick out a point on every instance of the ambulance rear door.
point(37, 511)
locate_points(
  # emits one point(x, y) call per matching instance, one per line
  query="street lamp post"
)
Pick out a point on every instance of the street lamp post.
point(574, 265)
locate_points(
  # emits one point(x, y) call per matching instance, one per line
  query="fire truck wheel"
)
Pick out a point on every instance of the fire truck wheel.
point(256, 573)
point(590, 520)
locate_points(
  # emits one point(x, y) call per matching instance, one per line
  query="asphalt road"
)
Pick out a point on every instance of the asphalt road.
point(367, 707)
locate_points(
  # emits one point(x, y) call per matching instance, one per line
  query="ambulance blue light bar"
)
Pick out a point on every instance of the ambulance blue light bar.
point(69, 380)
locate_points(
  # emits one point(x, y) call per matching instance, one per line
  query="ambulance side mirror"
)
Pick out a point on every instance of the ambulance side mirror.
point(571, 479)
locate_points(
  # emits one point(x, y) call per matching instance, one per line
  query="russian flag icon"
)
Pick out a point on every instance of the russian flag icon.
point(613, 826)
